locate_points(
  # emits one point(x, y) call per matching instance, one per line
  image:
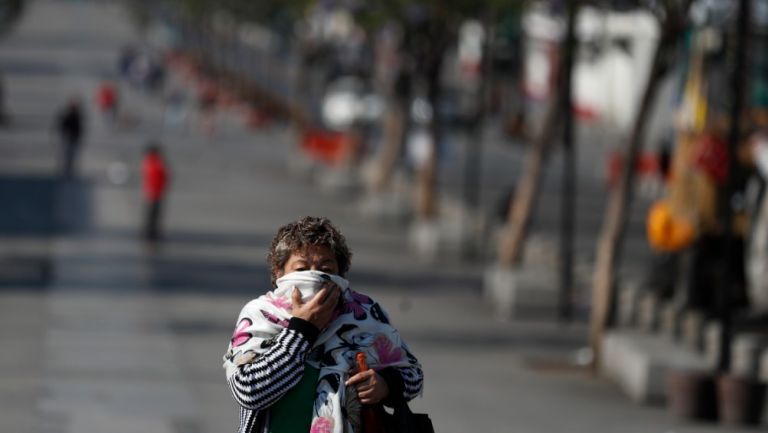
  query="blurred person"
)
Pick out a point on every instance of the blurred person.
point(207, 105)
point(155, 178)
point(139, 70)
point(290, 362)
point(106, 99)
point(665, 266)
point(708, 263)
point(155, 78)
point(70, 125)
point(175, 112)
point(125, 61)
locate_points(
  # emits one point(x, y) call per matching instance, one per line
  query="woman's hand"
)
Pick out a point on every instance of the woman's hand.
point(371, 387)
point(318, 310)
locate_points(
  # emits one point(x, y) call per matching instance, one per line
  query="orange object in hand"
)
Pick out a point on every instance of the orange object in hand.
point(362, 363)
point(667, 232)
point(371, 421)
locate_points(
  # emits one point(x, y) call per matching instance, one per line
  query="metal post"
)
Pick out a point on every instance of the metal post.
point(568, 206)
point(473, 161)
point(738, 87)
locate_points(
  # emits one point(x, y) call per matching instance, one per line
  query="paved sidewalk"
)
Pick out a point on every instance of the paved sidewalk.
point(105, 335)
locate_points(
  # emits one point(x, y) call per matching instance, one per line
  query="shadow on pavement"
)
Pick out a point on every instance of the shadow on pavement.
point(83, 42)
point(16, 121)
point(175, 275)
point(38, 208)
point(421, 282)
point(42, 68)
point(30, 68)
point(43, 206)
point(131, 274)
point(195, 238)
point(506, 340)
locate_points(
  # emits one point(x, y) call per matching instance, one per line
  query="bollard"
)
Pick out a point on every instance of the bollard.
point(670, 320)
point(693, 330)
point(648, 313)
point(745, 355)
point(712, 340)
point(628, 306)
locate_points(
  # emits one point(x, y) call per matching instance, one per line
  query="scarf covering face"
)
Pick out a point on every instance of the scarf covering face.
point(360, 325)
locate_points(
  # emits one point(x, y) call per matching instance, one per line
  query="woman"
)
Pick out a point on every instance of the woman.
point(290, 363)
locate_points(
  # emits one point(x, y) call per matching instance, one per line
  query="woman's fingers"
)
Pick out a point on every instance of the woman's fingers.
point(333, 296)
point(329, 291)
point(319, 297)
point(359, 377)
point(371, 388)
point(364, 395)
point(371, 394)
point(296, 297)
point(318, 310)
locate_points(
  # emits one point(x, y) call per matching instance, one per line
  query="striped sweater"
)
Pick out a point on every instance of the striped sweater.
point(258, 385)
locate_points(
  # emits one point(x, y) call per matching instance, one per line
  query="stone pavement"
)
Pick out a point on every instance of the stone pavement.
point(101, 334)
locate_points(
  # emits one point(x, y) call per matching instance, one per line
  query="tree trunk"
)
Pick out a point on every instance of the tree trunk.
point(394, 131)
point(426, 173)
point(431, 73)
point(426, 199)
point(521, 207)
point(617, 211)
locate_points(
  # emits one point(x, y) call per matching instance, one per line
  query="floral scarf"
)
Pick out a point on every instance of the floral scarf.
point(359, 326)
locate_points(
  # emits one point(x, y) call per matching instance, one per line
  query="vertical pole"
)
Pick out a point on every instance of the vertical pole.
point(738, 87)
point(473, 164)
point(568, 203)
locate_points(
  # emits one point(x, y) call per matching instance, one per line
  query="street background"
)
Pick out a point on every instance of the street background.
point(102, 333)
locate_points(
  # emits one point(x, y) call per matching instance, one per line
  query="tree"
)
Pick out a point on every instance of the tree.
point(421, 57)
point(672, 19)
point(521, 208)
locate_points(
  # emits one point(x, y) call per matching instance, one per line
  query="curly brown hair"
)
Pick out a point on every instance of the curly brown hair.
point(304, 232)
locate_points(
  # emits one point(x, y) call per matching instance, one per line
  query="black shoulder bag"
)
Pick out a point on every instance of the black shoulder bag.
point(402, 420)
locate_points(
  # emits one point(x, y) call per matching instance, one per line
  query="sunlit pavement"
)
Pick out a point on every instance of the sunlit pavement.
point(103, 334)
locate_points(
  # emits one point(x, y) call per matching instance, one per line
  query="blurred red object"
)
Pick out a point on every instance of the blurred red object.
point(586, 113)
point(155, 176)
point(106, 98)
point(330, 147)
point(711, 156)
point(257, 118)
point(647, 165)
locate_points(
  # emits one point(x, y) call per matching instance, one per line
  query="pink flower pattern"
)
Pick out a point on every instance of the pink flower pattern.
point(274, 319)
point(355, 306)
point(321, 424)
point(360, 298)
point(387, 351)
point(279, 301)
point(240, 337)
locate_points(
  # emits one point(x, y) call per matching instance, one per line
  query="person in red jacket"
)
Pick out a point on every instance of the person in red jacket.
point(155, 176)
point(106, 99)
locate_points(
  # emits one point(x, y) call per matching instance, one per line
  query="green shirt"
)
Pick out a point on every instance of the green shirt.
point(293, 412)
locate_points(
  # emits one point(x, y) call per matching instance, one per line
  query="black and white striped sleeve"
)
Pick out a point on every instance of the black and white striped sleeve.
point(413, 381)
point(258, 385)
point(404, 383)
